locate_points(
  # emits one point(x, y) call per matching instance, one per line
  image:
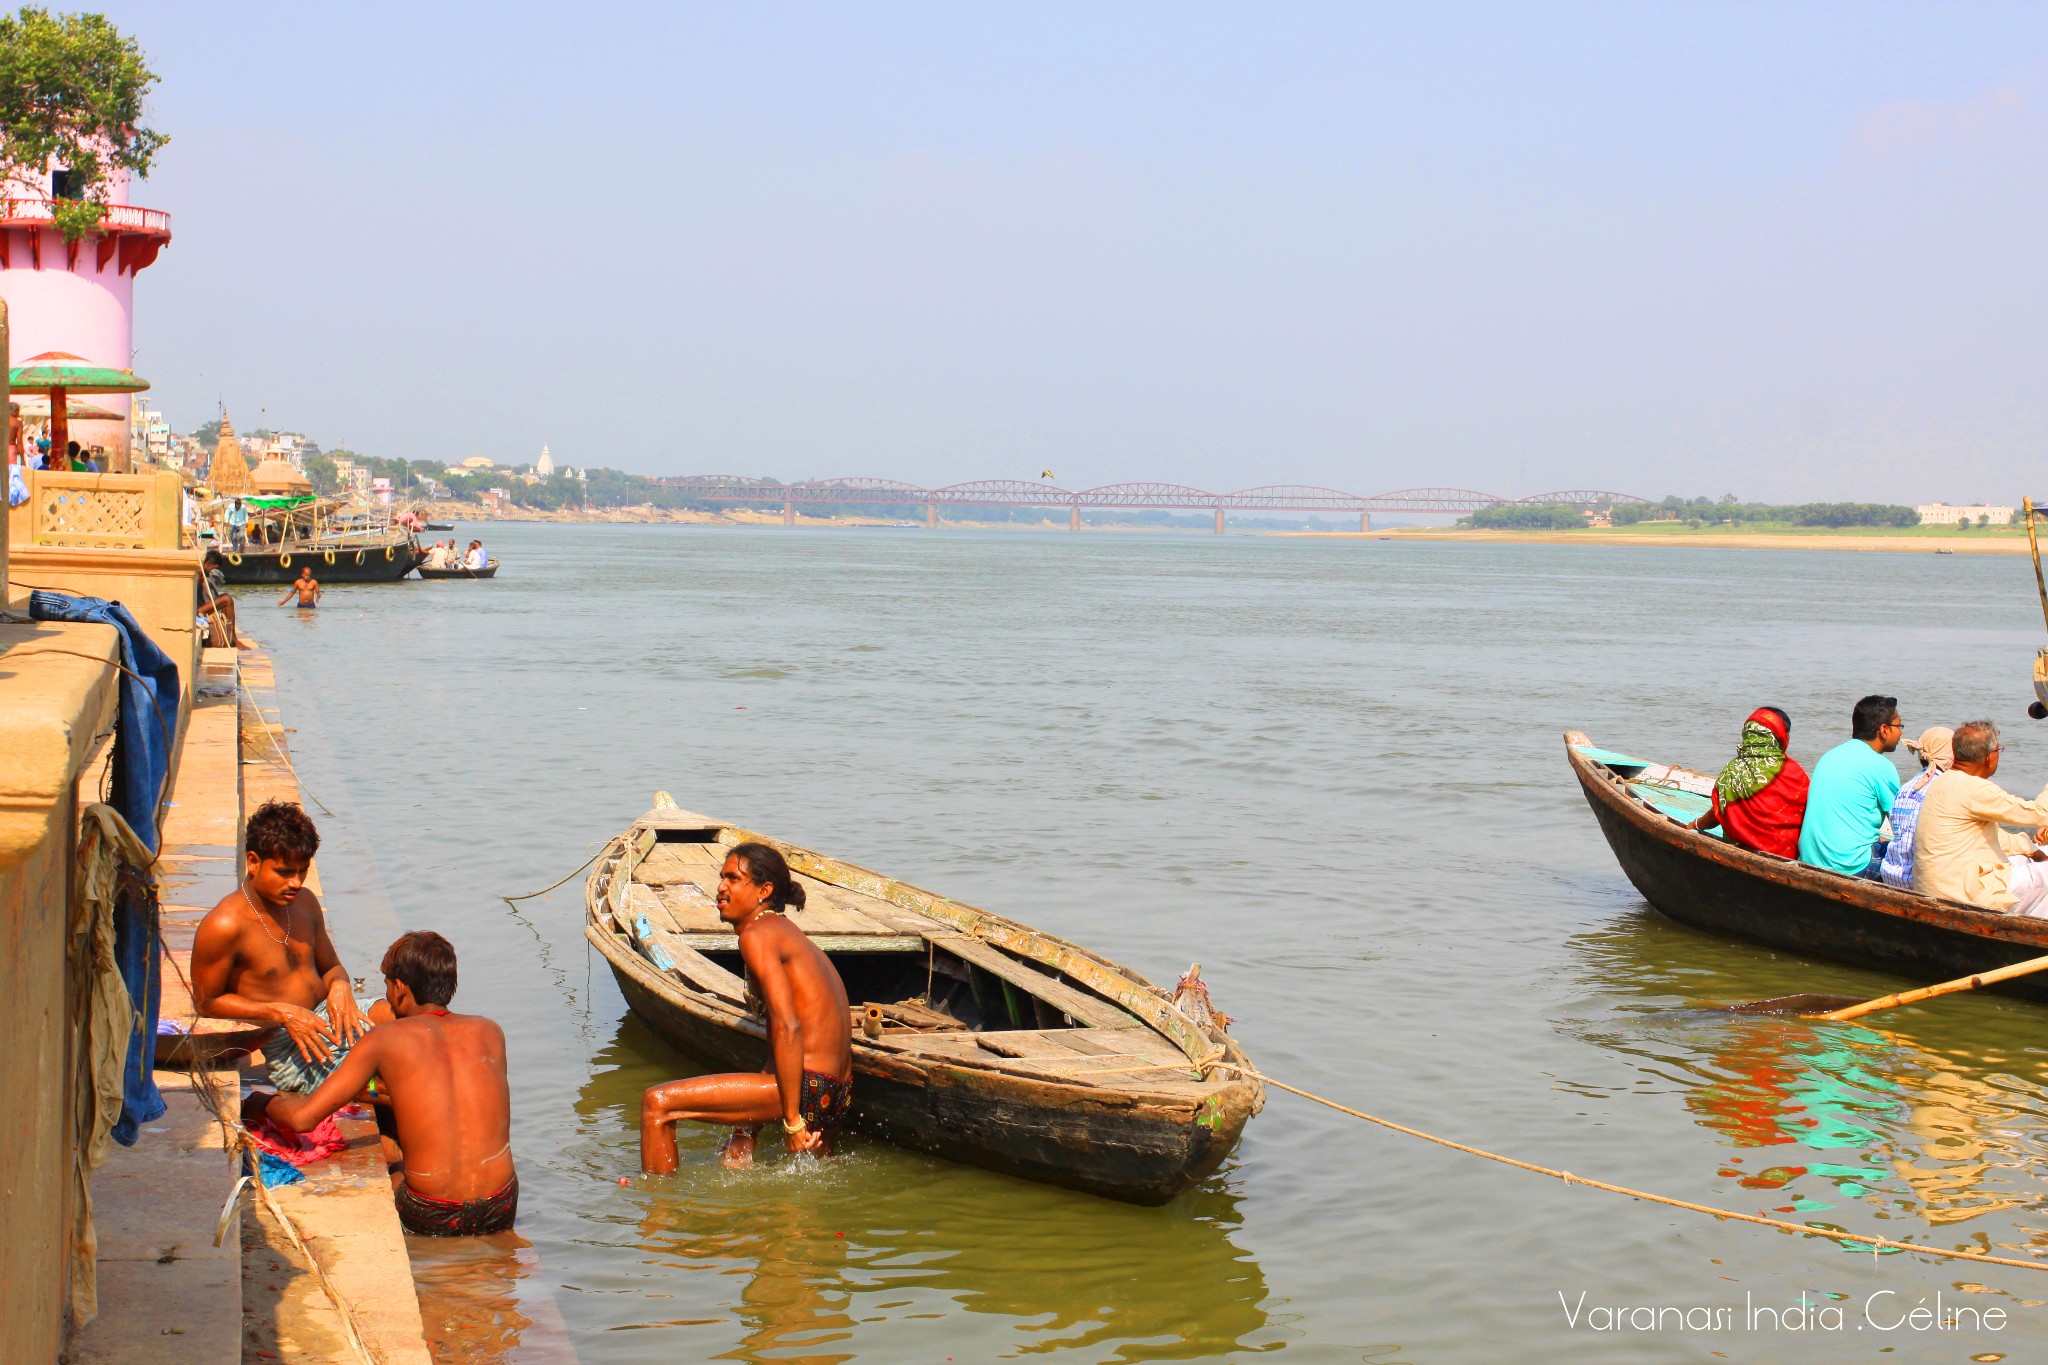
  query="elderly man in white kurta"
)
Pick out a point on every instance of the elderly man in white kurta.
point(1960, 849)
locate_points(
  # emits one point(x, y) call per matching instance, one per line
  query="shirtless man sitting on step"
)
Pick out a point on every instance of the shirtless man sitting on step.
point(263, 954)
point(809, 1081)
point(448, 1144)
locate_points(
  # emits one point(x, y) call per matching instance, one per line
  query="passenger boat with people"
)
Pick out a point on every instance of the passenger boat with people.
point(489, 570)
point(975, 1038)
point(1699, 879)
point(344, 544)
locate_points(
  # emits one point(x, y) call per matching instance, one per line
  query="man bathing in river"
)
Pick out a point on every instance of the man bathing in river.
point(448, 1141)
point(809, 1080)
point(263, 954)
point(305, 586)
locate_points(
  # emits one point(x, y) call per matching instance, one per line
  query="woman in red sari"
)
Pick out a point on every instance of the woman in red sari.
point(1760, 797)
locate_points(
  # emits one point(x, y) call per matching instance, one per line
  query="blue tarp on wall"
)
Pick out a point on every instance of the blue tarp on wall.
point(144, 732)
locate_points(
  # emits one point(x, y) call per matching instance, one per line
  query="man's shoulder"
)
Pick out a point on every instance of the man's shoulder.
point(224, 916)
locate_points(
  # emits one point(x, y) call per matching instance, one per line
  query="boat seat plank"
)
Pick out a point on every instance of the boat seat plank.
point(729, 942)
point(1128, 1046)
point(671, 952)
point(691, 908)
point(1073, 1003)
point(1038, 1054)
point(665, 864)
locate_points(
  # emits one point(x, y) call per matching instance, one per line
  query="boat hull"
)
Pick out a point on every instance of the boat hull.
point(489, 571)
point(1701, 881)
point(369, 565)
point(1097, 1141)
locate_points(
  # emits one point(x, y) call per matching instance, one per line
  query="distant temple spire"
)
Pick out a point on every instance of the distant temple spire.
point(545, 465)
point(228, 474)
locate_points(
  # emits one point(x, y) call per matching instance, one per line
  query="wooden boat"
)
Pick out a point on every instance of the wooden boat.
point(489, 570)
point(343, 544)
point(977, 1039)
point(1698, 879)
point(440, 526)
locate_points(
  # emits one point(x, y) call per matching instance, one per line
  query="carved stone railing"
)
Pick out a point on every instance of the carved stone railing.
point(99, 512)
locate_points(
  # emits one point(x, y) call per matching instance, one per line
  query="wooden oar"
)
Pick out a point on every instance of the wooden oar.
point(1836, 1009)
point(1963, 983)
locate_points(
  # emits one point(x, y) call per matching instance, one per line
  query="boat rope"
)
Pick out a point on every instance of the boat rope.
point(242, 1149)
point(1803, 1229)
point(277, 748)
point(545, 889)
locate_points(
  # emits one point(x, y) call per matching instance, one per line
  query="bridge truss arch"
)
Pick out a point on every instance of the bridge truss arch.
point(1585, 499)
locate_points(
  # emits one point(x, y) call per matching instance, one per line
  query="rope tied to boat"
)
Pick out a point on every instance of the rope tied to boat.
point(1802, 1229)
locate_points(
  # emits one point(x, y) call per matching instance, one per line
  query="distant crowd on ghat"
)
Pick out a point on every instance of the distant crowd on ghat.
point(1941, 833)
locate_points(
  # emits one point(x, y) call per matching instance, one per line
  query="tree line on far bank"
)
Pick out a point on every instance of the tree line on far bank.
point(1696, 512)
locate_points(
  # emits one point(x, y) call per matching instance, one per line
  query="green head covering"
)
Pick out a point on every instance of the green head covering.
point(1755, 765)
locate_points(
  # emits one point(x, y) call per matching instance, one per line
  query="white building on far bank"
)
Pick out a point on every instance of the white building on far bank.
point(545, 465)
point(1977, 513)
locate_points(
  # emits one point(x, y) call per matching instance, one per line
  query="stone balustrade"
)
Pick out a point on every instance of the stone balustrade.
point(99, 512)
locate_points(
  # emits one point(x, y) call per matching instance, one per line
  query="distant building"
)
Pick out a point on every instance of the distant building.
point(478, 462)
point(545, 465)
point(1977, 513)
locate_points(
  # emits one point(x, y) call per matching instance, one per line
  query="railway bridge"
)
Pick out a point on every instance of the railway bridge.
point(737, 489)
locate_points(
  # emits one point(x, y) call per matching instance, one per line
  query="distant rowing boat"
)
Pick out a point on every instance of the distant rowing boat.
point(1704, 881)
point(489, 570)
point(978, 1039)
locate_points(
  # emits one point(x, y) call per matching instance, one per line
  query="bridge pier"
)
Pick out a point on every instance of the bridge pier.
point(931, 516)
point(1219, 521)
point(1074, 516)
point(1364, 522)
point(788, 512)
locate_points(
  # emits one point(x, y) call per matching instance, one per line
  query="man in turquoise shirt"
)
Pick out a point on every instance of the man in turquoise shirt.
point(1852, 790)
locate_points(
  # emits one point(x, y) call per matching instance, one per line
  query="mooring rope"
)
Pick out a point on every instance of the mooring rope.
point(240, 1146)
point(277, 745)
point(545, 889)
point(1803, 1229)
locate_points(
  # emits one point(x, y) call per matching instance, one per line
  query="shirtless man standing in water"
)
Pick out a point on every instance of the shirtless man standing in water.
point(305, 587)
point(809, 1081)
point(448, 1144)
point(263, 954)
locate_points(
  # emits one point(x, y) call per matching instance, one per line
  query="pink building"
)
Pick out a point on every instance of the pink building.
point(76, 296)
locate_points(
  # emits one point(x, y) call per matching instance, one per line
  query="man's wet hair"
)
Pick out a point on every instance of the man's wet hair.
point(425, 962)
point(280, 831)
point(1974, 740)
point(764, 864)
point(1872, 714)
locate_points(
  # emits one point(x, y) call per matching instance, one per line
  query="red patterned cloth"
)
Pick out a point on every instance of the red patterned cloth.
point(299, 1148)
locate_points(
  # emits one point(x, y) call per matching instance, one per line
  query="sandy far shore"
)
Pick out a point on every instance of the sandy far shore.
point(1709, 540)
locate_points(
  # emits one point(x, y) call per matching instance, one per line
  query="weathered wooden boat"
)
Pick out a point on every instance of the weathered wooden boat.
point(489, 570)
point(977, 1039)
point(1699, 879)
point(331, 564)
point(343, 543)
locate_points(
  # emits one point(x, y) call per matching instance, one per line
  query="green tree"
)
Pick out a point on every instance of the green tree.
point(321, 472)
point(1529, 517)
point(71, 94)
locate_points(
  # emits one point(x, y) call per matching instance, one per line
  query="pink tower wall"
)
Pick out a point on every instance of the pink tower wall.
point(85, 310)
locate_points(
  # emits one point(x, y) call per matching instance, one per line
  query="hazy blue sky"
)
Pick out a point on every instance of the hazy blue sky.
point(1789, 251)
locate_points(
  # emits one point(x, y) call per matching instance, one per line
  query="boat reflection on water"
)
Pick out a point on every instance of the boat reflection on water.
point(875, 1251)
point(1931, 1128)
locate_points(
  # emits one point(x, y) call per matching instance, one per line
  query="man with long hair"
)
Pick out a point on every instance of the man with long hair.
point(808, 1082)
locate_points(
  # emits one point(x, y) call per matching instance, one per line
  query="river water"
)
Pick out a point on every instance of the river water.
point(1331, 772)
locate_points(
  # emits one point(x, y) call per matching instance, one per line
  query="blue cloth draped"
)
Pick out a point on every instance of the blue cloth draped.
point(144, 730)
